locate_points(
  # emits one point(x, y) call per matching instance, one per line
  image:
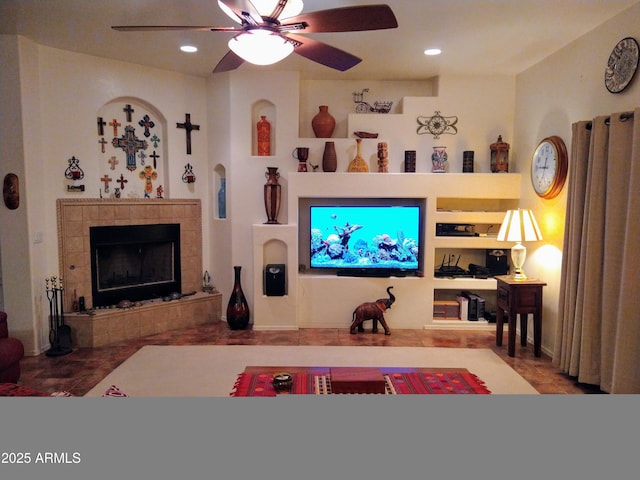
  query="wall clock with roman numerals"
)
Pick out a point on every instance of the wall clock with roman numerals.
point(549, 167)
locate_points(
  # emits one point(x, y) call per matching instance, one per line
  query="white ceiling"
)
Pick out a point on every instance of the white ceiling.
point(477, 36)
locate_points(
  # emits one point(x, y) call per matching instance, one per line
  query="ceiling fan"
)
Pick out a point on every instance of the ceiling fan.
point(266, 32)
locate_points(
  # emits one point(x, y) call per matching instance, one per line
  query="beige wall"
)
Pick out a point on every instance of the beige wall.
point(566, 87)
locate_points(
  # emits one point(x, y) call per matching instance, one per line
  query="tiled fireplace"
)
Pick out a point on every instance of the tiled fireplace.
point(109, 325)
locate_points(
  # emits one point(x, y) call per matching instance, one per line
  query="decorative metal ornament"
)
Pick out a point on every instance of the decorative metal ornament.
point(188, 176)
point(437, 125)
point(73, 171)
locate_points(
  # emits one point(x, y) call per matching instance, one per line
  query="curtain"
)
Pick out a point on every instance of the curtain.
point(598, 331)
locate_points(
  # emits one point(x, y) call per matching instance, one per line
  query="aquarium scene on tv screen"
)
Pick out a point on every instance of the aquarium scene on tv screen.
point(361, 237)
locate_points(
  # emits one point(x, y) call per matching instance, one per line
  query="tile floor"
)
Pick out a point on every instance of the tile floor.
point(79, 371)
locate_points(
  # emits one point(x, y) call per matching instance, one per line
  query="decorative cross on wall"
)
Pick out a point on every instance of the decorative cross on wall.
point(188, 126)
point(122, 181)
point(148, 174)
point(113, 161)
point(115, 124)
point(128, 110)
point(106, 179)
point(155, 157)
point(146, 123)
point(102, 143)
point(101, 124)
point(130, 144)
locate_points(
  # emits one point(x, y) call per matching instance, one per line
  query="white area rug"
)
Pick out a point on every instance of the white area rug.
point(211, 371)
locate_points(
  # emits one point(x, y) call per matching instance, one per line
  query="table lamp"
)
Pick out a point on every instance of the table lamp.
point(519, 226)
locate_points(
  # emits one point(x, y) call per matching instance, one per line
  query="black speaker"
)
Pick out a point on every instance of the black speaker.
point(274, 279)
point(497, 261)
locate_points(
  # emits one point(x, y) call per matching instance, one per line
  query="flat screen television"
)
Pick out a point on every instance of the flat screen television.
point(376, 237)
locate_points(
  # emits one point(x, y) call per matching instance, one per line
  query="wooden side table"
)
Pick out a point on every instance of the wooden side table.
point(519, 297)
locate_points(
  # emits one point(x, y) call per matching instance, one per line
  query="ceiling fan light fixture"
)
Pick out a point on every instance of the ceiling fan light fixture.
point(266, 8)
point(260, 47)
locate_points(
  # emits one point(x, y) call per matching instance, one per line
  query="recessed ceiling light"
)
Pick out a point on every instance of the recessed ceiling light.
point(189, 48)
point(432, 51)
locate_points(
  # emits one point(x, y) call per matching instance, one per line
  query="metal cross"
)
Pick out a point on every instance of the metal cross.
point(188, 126)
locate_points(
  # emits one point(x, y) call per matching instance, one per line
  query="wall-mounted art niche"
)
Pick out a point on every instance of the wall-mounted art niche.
point(263, 110)
point(132, 151)
point(274, 253)
point(219, 189)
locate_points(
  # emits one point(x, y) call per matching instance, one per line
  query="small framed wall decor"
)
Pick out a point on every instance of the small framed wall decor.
point(622, 65)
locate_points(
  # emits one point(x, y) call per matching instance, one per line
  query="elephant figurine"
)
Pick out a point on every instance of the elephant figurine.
point(373, 311)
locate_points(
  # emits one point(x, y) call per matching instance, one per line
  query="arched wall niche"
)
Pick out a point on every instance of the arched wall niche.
point(263, 108)
point(219, 189)
point(132, 138)
point(274, 251)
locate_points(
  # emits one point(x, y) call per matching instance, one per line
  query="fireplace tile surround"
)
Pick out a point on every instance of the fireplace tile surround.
point(76, 216)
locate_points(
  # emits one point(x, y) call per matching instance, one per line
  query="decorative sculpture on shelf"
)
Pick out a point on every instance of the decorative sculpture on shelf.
point(383, 158)
point(373, 311)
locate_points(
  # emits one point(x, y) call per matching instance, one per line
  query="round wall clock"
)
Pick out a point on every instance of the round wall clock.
point(622, 65)
point(549, 167)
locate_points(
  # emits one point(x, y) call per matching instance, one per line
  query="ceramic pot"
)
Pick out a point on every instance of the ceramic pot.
point(323, 123)
point(272, 193)
point(439, 159)
point(329, 157)
point(237, 309)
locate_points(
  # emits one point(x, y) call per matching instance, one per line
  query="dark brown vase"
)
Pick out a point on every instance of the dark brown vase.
point(323, 123)
point(238, 308)
point(272, 192)
point(329, 157)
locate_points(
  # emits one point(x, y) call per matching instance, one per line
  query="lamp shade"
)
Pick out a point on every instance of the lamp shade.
point(519, 226)
point(260, 47)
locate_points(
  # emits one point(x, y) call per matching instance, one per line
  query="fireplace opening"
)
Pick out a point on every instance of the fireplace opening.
point(134, 262)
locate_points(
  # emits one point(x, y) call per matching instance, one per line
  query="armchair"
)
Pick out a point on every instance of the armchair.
point(11, 352)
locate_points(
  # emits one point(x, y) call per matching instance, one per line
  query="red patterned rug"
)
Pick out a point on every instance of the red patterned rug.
point(399, 381)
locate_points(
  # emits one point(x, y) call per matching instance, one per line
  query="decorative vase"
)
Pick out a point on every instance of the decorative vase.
point(323, 123)
point(237, 308)
point(329, 157)
point(222, 199)
point(272, 192)
point(439, 159)
point(358, 164)
point(264, 137)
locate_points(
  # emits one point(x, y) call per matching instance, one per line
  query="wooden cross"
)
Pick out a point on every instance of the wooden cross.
point(113, 161)
point(130, 144)
point(188, 126)
point(114, 123)
point(148, 174)
point(106, 179)
point(128, 110)
point(102, 143)
point(101, 124)
point(155, 157)
point(147, 123)
point(122, 181)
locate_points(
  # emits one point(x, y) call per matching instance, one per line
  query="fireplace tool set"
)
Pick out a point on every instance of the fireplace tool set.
point(59, 333)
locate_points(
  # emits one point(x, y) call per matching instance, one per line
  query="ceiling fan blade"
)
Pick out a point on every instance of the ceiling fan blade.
point(344, 19)
point(240, 7)
point(152, 28)
point(230, 61)
point(322, 53)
